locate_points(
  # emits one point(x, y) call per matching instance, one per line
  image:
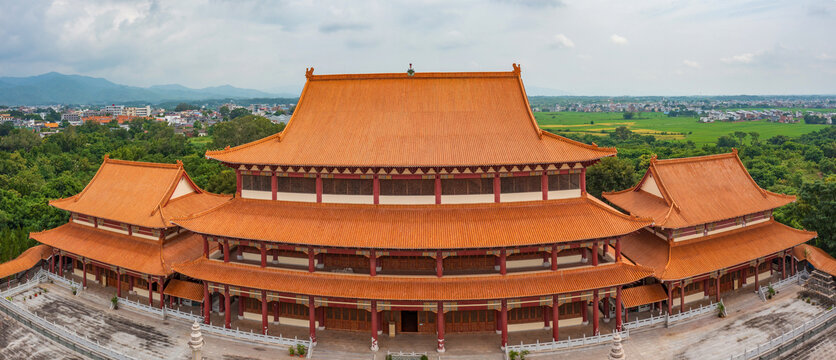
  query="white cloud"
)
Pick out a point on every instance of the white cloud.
point(618, 39)
point(561, 41)
point(746, 58)
point(691, 64)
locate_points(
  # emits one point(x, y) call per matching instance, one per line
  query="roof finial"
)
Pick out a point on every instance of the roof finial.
point(106, 157)
point(516, 68)
point(309, 73)
point(410, 71)
point(734, 151)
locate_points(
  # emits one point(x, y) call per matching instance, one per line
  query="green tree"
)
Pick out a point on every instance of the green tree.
point(239, 112)
point(817, 207)
point(740, 135)
point(627, 115)
point(224, 110)
point(610, 174)
point(185, 107)
point(726, 141)
point(242, 130)
point(621, 133)
point(755, 136)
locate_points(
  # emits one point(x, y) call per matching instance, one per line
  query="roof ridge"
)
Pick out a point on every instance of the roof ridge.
point(204, 212)
point(227, 149)
point(696, 158)
point(416, 75)
point(531, 117)
point(597, 202)
point(141, 163)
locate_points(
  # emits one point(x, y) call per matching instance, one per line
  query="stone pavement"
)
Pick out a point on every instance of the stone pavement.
point(750, 322)
point(20, 342)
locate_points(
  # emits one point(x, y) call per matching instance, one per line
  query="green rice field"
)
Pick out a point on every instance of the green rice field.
point(663, 127)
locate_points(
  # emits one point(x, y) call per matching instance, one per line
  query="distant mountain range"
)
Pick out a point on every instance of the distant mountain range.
point(55, 88)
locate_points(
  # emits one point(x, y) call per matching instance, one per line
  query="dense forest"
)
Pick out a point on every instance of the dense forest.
point(35, 170)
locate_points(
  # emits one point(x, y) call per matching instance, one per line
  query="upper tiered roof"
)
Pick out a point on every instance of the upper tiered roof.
point(423, 120)
point(684, 192)
point(140, 193)
point(415, 226)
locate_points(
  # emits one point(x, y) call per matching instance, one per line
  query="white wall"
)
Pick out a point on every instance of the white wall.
point(564, 194)
point(347, 199)
point(286, 196)
point(521, 196)
point(183, 188)
point(650, 186)
point(407, 199)
point(467, 199)
point(256, 194)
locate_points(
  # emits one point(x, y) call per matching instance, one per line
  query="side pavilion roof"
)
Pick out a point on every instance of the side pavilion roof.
point(711, 253)
point(423, 120)
point(140, 193)
point(685, 192)
point(415, 226)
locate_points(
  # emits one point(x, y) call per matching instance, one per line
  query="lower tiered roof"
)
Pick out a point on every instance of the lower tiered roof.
point(817, 257)
point(415, 226)
point(414, 288)
point(124, 251)
point(711, 253)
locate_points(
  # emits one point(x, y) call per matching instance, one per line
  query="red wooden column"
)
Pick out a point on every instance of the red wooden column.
point(504, 317)
point(312, 318)
point(241, 298)
point(118, 283)
point(439, 315)
point(276, 309)
point(681, 295)
point(496, 187)
point(376, 189)
point(226, 250)
point(794, 265)
point(60, 264)
point(554, 258)
point(757, 271)
point(311, 262)
point(594, 253)
point(207, 303)
point(52, 263)
point(439, 264)
point(438, 189)
point(375, 322)
point(618, 249)
point(544, 185)
point(274, 185)
point(264, 312)
point(162, 296)
point(670, 297)
point(783, 266)
point(238, 183)
point(318, 188)
point(583, 180)
point(502, 256)
point(585, 312)
point(717, 288)
point(546, 317)
point(150, 291)
point(263, 255)
point(372, 263)
point(555, 317)
point(595, 312)
point(705, 287)
point(606, 306)
point(84, 274)
point(618, 308)
point(205, 247)
point(227, 308)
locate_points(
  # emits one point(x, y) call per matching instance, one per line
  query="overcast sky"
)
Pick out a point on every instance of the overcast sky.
point(588, 47)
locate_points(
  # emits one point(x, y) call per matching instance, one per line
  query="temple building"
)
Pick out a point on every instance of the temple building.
point(713, 230)
point(419, 203)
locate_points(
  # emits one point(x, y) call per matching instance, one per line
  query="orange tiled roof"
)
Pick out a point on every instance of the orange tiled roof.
point(414, 226)
point(25, 261)
point(184, 290)
point(817, 257)
point(98, 119)
point(429, 119)
point(128, 252)
point(417, 288)
point(642, 295)
point(711, 253)
point(135, 192)
point(697, 190)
